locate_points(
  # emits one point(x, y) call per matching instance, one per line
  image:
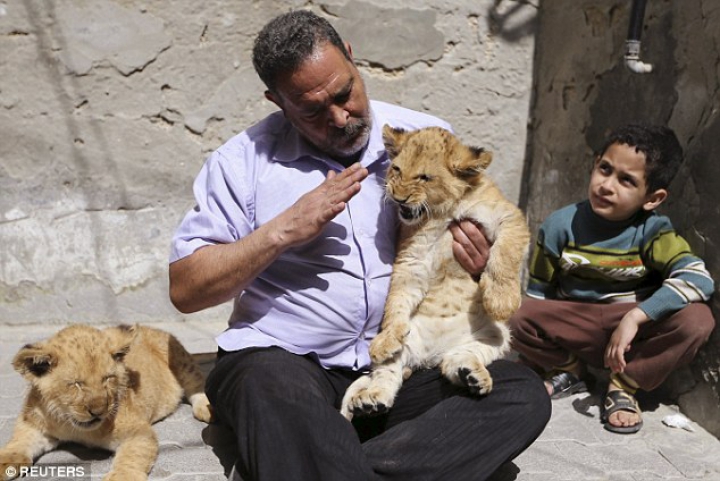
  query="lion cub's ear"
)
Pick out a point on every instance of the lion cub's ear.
point(394, 139)
point(472, 161)
point(122, 338)
point(34, 360)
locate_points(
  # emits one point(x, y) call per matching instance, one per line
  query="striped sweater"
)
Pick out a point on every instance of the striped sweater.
point(581, 256)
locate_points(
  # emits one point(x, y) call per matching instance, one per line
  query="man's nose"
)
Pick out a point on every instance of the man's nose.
point(338, 116)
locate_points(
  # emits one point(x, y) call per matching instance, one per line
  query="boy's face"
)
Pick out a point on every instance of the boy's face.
point(618, 188)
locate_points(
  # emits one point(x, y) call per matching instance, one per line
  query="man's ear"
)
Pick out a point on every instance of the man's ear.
point(654, 199)
point(273, 98)
point(348, 47)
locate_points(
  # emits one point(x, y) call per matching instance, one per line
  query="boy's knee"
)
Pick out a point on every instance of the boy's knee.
point(697, 322)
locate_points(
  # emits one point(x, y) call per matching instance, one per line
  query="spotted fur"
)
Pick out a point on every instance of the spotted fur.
point(102, 388)
point(436, 313)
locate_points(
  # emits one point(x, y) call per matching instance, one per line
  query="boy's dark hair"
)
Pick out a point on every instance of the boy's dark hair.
point(663, 153)
point(288, 40)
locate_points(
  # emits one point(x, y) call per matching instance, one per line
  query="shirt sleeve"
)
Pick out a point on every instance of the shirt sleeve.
point(223, 210)
point(544, 267)
point(685, 278)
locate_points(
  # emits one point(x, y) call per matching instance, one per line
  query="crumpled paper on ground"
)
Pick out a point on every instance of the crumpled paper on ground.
point(678, 421)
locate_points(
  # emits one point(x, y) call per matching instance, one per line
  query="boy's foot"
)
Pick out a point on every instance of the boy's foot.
point(560, 384)
point(621, 412)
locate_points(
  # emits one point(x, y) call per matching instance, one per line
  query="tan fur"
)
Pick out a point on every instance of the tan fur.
point(102, 388)
point(436, 314)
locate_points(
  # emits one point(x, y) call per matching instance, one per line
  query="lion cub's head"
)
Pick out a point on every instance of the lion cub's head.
point(78, 376)
point(430, 172)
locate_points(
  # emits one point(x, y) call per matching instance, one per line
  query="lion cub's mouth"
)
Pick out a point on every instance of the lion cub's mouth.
point(411, 213)
point(87, 424)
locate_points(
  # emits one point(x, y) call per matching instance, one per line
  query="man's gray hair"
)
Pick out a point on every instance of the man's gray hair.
point(288, 40)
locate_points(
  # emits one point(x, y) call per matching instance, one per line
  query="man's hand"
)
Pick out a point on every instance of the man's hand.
point(470, 246)
point(217, 273)
point(305, 219)
point(622, 337)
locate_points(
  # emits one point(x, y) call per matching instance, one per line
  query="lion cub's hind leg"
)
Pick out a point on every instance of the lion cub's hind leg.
point(465, 365)
point(462, 368)
point(190, 378)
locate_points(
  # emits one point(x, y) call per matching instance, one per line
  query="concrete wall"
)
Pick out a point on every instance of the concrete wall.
point(582, 88)
point(109, 107)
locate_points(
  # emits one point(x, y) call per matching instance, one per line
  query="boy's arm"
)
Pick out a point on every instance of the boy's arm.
point(544, 268)
point(685, 277)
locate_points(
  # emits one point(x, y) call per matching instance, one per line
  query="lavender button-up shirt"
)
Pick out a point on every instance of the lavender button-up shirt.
point(324, 298)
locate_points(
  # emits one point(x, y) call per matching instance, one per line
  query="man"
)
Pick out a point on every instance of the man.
point(291, 223)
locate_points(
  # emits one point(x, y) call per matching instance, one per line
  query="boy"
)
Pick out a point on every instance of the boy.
point(613, 285)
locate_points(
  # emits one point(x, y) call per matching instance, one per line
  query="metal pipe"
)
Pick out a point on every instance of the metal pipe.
point(632, 44)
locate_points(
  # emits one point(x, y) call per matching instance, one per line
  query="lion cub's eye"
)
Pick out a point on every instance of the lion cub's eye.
point(395, 169)
point(424, 177)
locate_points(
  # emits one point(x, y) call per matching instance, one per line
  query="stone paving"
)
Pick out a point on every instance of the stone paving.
point(574, 446)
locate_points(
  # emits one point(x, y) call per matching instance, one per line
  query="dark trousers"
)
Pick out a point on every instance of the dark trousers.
point(284, 410)
point(546, 332)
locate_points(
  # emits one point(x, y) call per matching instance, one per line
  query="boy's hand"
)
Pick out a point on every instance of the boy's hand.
point(622, 337)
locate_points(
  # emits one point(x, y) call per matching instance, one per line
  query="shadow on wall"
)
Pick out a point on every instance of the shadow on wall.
point(49, 39)
point(513, 20)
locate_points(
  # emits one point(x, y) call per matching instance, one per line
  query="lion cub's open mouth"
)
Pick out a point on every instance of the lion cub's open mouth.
point(411, 212)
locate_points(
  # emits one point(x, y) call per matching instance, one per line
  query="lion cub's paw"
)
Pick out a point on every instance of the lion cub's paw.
point(10, 464)
point(468, 372)
point(202, 410)
point(478, 382)
point(365, 397)
point(500, 300)
point(388, 342)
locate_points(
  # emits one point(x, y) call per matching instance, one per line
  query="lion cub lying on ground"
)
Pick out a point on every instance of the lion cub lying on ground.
point(102, 388)
point(436, 313)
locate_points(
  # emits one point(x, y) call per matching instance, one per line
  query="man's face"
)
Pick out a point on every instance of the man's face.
point(325, 100)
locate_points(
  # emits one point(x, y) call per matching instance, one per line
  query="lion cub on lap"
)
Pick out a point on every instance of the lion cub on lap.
point(102, 388)
point(436, 313)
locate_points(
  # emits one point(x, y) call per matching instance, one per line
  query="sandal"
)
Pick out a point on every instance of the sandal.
point(564, 383)
point(621, 401)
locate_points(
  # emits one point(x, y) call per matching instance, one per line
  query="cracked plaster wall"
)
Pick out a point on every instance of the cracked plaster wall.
point(582, 88)
point(109, 107)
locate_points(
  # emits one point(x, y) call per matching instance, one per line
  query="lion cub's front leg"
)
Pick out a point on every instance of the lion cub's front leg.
point(136, 453)
point(26, 444)
point(407, 290)
point(500, 284)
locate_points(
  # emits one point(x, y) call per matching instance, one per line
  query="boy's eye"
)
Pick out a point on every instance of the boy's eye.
point(629, 181)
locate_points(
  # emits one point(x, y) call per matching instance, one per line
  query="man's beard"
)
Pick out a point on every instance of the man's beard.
point(351, 139)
